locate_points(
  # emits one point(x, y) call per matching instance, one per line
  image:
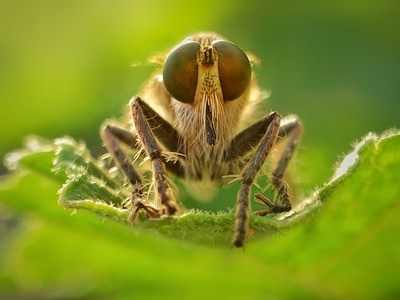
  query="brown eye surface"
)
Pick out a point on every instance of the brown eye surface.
point(234, 69)
point(180, 72)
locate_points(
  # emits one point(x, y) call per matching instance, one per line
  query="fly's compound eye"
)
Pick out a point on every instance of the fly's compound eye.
point(180, 72)
point(234, 69)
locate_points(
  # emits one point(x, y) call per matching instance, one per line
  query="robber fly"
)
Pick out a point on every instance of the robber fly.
point(187, 124)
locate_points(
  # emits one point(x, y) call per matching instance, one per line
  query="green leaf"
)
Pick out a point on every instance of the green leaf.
point(339, 243)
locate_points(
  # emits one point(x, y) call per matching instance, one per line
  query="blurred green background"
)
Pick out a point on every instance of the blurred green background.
point(66, 66)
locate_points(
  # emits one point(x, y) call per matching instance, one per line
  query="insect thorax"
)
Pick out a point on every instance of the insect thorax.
point(202, 160)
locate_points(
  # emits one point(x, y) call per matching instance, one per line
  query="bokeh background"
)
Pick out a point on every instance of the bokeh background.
point(66, 66)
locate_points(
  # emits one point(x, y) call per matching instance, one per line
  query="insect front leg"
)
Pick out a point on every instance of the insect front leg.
point(249, 173)
point(147, 139)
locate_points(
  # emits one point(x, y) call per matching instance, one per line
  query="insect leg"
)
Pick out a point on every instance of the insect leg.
point(129, 139)
point(112, 136)
point(166, 134)
point(153, 151)
point(291, 132)
point(248, 175)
